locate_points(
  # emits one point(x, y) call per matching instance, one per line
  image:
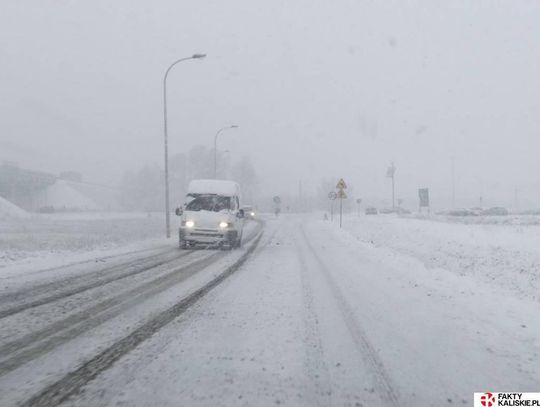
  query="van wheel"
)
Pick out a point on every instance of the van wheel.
point(183, 244)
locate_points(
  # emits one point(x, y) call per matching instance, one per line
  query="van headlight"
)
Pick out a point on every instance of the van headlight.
point(223, 225)
point(190, 223)
point(252, 213)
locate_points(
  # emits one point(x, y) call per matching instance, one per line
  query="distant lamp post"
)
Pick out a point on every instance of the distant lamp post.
point(453, 162)
point(167, 210)
point(390, 173)
point(234, 126)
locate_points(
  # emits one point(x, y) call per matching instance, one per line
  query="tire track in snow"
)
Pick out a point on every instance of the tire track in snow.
point(383, 383)
point(74, 381)
point(69, 287)
point(37, 343)
point(92, 261)
point(316, 366)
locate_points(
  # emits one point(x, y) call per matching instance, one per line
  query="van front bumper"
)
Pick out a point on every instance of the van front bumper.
point(208, 236)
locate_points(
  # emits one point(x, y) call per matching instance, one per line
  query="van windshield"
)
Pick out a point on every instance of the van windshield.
point(212, 203)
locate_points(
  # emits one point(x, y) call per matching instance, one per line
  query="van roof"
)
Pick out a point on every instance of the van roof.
point(213, 186)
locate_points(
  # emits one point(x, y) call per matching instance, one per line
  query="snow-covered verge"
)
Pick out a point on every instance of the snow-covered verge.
point(503, 254)
point(51, 240)
point(525, 220)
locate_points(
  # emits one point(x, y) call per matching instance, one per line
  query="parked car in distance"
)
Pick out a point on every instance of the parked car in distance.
point(249, 212)
point(370, 210)
point(462, 212)
point(495, 211)
point(477, 210)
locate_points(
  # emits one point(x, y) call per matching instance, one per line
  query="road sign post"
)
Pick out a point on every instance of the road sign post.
point(340, 210)
point(358, 202)
point(341, 186)
point(332, 196)
point(277, 204)
point(423, 195)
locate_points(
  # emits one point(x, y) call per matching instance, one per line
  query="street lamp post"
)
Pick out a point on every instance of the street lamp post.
point(234, 126)
point(167, 210)
point(390, 173)
point(453, 182)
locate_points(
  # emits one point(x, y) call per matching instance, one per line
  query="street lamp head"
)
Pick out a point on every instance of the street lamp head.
point(198, 56)
point(234, 126)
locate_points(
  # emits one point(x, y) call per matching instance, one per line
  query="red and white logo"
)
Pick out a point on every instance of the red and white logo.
point(487, 399)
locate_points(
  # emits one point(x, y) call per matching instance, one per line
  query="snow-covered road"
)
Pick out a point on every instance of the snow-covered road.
point(312, 316)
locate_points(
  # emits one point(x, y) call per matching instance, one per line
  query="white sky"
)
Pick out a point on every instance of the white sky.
point(319, 88)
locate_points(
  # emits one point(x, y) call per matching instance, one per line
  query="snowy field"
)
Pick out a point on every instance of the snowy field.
point(500, 251)
point(52, 239)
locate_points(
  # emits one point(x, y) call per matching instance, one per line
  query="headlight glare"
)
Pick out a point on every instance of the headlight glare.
point(223, 225)
point(190, 223)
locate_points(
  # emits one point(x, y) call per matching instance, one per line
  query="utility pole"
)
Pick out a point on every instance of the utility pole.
point(300, 195)
point(393, 193)
point(390, 174)
point(453, 183)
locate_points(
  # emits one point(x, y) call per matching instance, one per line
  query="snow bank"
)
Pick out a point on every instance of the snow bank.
point(10, 210)
point(62, 195)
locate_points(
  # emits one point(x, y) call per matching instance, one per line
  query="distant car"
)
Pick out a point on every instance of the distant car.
point(477, 210)
point(403, 211)
point(398, 210)
point(495, 211)
point(370, 210)
point(249, 212)
point(462, 212)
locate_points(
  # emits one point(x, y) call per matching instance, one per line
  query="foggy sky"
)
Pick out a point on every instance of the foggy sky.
point(320, 89)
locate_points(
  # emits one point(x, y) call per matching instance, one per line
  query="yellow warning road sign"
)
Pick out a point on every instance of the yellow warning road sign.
point(341, 184)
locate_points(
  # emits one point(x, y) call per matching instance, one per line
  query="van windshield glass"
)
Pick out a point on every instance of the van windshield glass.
point(213, 203)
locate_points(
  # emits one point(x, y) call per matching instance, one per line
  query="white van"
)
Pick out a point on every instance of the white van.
point(211, 215)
